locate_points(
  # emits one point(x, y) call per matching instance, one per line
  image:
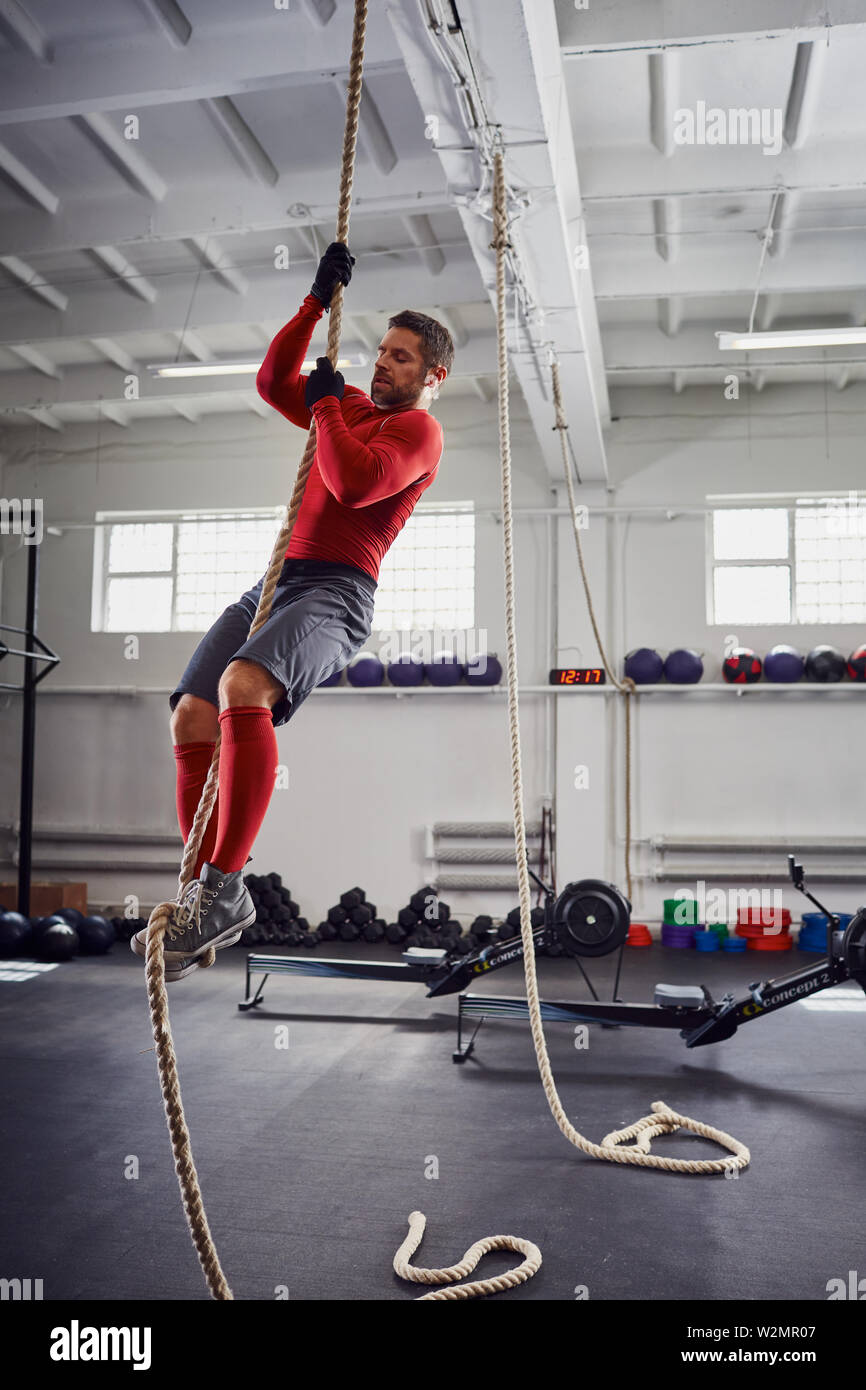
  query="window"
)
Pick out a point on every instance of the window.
point(177, 576)
point(802, 563)
point(427, 578)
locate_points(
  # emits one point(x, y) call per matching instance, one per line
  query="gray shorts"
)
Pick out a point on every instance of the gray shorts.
point(321, 616)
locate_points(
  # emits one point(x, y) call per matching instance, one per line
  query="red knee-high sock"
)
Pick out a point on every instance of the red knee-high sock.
point(192, 761)
point(248, 762)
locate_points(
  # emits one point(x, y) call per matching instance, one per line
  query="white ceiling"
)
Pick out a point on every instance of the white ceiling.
point(117, 253)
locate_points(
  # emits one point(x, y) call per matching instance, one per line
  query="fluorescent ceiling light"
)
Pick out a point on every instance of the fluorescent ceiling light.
point(355, 359)
point(791, 338)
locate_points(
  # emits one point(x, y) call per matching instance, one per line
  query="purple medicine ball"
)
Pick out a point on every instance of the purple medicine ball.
point(783, 665)
point(365, 669)
point(406, 670)
point(484, 669)
point(334, 678)
point(644, 666)
point(683, 667)
point(444, 669)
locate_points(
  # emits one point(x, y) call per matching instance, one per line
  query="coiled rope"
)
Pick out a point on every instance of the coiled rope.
point(161, 916)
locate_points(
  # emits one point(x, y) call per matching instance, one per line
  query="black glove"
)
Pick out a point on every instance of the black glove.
point(335, 268)
point(324, 381)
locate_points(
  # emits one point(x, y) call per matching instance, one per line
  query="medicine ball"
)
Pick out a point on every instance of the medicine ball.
point(856, 667)
point(365, 669)
point(14, 934)
point(444, 669)
point(333, 679)
point(95, 936)
point(40, 925)
point(57, 942)
point(783, 665)
point(683, 667)
point(644, 666)
point(406, 670)
point(742, 667)
point(825, 664)
point(484, 669)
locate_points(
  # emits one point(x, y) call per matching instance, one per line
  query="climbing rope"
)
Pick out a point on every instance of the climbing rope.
point(627, 686)
point(162, 913)
point(663, 1120)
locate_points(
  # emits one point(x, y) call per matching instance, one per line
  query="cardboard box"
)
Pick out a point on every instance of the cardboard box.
point(46, 898)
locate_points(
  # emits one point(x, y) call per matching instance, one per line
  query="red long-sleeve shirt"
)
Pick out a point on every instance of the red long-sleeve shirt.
point(371, 465)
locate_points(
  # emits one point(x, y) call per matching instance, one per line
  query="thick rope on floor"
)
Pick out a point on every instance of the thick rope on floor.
point(161, 915)
point(663, 1120)
point(451, 1273)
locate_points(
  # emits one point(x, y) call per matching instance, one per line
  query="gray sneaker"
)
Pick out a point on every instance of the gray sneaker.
point(213, 912)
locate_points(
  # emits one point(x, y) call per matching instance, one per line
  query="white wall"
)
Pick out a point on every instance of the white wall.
point(366, 773)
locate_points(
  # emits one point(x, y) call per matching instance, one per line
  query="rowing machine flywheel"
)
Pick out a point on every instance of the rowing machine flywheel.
point(854, 947)
point(591, 918)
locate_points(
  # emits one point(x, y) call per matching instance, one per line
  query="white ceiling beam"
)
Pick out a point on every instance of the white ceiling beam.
point(368, 337)
point(33, 281)
point(679, 383)
point(113, 352)
point(666, 225)
point(213, 210)
point(484, 388)
point(187, 412)
point(803, 92)
point(660, 24)
point(843, 377)
point(455, 325)
point(670, 315)
point(377, 289)
point(22, 32)
point(115, 413)
point(211, 255)
point(254, 402)
point(172, 21)
point(124, 272)
point(263, 49)
point(812, 263)
point(759, 380)
point(621, 175)
point(26, 181)
point(98, 382)
point(43, 416)
point(420, 231)
point(122, 155)
point(321, 12)
point(664, 100)
point(35, 358)
point(248, 150)
point(769, 309)
point(523, 91)
point(195, 345)
point(372, 131)
point(780, 226)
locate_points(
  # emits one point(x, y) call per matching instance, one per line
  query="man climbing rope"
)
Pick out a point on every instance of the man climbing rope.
point(375, 456)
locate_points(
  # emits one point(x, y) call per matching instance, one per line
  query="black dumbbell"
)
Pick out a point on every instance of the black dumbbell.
point(353, 897)
point(327, 931)
point(372, 931)
point(310, 938)
point(408, 918)
point(348, 932)
point(395, 933)
point(418, 901)
point(275, 881)
point(361, 915)
point(338, 915)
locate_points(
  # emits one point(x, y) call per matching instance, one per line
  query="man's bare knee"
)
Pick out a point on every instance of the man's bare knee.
point(248, 683)
point(194, 720)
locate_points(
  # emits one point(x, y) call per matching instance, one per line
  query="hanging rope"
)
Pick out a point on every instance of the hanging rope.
point(162, 913)
point(627, 686)
point(663, 1120)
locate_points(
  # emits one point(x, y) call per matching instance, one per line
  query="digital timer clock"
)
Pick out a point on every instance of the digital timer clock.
point(577, 675)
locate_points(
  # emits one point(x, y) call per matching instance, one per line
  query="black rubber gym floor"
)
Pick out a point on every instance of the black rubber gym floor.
point(312, 1156)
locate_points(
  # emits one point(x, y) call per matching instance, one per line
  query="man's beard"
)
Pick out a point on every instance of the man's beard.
point(387, 394)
